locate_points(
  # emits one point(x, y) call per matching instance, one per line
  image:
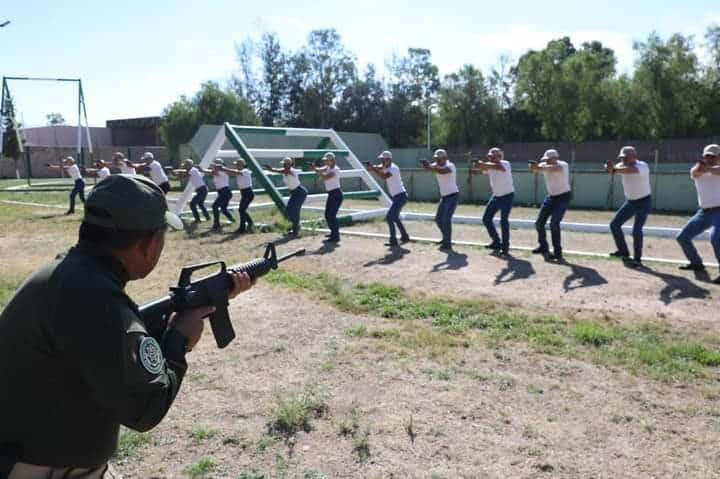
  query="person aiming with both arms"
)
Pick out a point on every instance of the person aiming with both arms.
point(298, 193)
point(635, 176)
point(68, 164)
point(446, 175)
point(706, 175)
point(557, 183)
point(80, 362)
point(499, 172)
point(329, 173)
point(243, 176)
point(157, 174)
point(101, 171)
point(195, 178)
point(390, 172)
point(221, 179)
point(125, 166)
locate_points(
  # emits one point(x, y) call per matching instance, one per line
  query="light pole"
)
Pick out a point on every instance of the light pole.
point(430, 105)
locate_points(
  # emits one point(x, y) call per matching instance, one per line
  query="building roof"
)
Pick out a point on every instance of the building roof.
point(143, 122)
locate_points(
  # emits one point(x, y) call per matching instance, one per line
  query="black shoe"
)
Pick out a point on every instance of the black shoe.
point(445, 247)
point(619, 254)
point(331, 240)
point(405, 239)
point(215, 227)
point(391, 243)
point(69, 212)
point(556, 257)
point(495, 246)
point(503, 252)
point(632, 263)
point(540, 250)
point(692, 267)
point(716, 280)
point(240, 231)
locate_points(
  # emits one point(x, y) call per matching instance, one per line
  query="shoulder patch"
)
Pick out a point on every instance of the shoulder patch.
point(150, 355)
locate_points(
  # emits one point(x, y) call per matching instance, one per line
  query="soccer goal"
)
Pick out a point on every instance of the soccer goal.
point(259, 145)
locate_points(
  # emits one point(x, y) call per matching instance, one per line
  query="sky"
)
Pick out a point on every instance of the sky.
point(135, 57)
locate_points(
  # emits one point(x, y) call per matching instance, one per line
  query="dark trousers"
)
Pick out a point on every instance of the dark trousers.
point(221, 203)
point(198, 201)
point(554, 207)
point(443, 216)
point(246, 197)
point(78, 189)
point(165, 187)
point(332, 206)
point(702, 220)
point(294, 205)
point(639, 208)
point(504, 204)
point(393, 216)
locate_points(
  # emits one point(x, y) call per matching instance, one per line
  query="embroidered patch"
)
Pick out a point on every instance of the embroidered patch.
point(151, 355)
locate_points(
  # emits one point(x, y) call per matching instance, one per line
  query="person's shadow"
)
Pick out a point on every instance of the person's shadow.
point(396, 253)
point(515, 268)
point(676, 287)
point(326, 248)
point(581, 277)
point(453, 261)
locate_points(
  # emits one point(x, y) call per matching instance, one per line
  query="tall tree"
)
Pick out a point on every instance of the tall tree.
point(468, 110)
point(211, 105)
point(11, 146)
point(362, 104)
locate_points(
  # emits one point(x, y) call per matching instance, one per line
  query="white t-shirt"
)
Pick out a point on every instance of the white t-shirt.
point(74, 172)
point(292, 181)
point(103, 173)
point(244, 180)
point(156, 173)
point(448, 181)
point(501, 182)
point(637, 185)
point(334, 182)
point(394, 183)
point(557, 182)
point(196, 178)
point(221, 180)
point(127, 170)
point(708, 190)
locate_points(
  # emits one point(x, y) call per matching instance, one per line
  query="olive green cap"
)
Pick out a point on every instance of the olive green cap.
point(130, 203)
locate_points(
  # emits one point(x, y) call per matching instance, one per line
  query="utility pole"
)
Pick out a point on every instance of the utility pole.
point(5, 23)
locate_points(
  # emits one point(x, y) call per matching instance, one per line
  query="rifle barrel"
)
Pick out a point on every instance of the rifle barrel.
point(299, 252)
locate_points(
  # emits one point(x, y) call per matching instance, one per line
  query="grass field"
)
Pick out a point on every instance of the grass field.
point(358, 361)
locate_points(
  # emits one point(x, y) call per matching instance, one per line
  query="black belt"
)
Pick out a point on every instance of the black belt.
point(714, 209)
point(561, 195)
point(450, 195)
point(640, 199)
point(504, 196)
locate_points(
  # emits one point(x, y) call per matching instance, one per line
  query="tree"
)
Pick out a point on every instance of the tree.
point(667, 78)
point(469, 112)
point(55, 119)
point(361, 105)
point(210, 105)
point(11, 146)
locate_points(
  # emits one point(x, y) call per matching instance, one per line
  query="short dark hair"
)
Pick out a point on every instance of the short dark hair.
point(111, 238)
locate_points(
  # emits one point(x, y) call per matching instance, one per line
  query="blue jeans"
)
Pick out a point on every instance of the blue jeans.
point(504, 204)
point(78, 189)
point(702, 220)
point(199, 201)
point(553, 207)
point(332, 206)
point(294, 205)
point(246, 197)
point(221, 203)
point(393, 216)
point(639, 208)
point(443, 216)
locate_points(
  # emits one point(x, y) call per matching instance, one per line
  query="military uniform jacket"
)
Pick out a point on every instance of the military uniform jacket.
point(76, 362)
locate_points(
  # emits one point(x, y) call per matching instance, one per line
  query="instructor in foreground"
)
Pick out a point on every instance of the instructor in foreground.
point(76, 361)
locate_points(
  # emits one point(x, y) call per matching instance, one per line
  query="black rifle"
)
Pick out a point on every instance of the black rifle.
point(208, 291)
